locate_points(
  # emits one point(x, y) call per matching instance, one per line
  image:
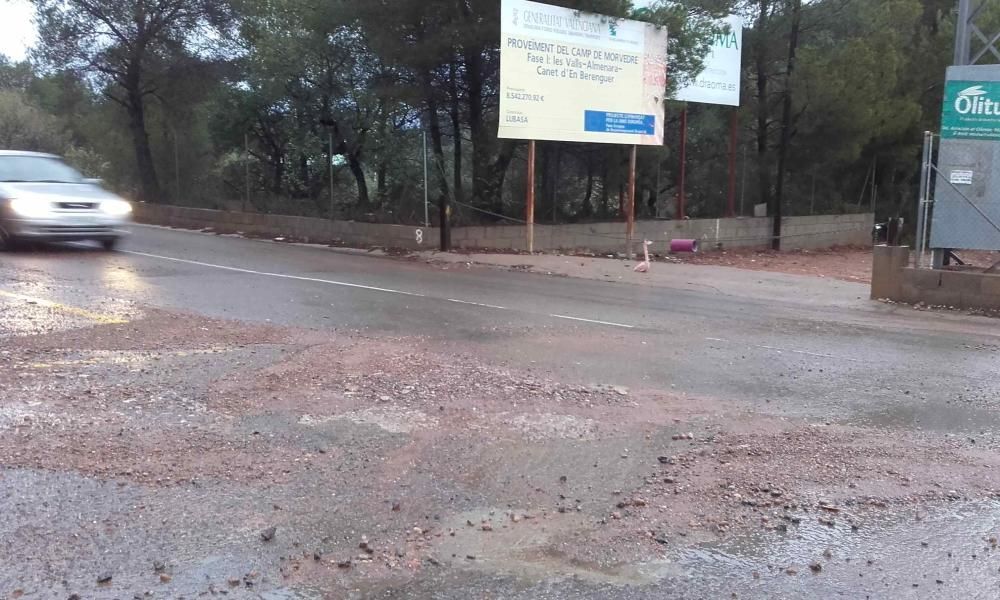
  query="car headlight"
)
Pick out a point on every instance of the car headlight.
point(118, 208)
point(32, 209)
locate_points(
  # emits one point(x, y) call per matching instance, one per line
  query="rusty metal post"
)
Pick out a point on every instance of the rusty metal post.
point(630, 207)
point(530, 201)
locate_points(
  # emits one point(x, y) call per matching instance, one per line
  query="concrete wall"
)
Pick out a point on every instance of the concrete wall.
point(798, 232)
point(320, 231)
point(893, 280)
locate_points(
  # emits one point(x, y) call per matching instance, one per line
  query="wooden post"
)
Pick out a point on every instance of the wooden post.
point(630, 207)
point(530, 201)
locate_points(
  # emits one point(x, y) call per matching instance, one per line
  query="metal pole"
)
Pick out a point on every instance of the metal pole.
point(630, 207)
point(246, 171)
point(330, 141)
point(962, 40)
point(927, 198)
point(683, 173)
point(530, 200)
point(733, 133)
point(427, 215)
point(922, 199)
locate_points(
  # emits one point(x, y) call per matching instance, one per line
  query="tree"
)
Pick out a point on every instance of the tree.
point(24, 127)
point(124, 46)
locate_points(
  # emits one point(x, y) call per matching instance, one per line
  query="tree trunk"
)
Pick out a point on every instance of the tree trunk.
point(358, 171)
point(149, 184)
point(786, 121)
point(763, 158)
point(456, 128)
point(587, 208)
point(437, 147)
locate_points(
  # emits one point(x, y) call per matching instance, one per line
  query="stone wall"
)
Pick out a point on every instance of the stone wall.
point(320, 231)
point(798, 233)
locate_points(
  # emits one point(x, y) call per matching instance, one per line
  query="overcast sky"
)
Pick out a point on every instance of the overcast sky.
point(17, 32)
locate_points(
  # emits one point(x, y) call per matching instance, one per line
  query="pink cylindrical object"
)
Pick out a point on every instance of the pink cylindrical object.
point(683, 245)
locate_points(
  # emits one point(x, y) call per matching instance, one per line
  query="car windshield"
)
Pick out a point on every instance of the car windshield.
point(37, 169)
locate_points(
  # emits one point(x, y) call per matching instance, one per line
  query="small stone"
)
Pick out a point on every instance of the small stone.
point(487, 526)
point(317, 556)
point(661, 539)
point(396, 507)
point(827, 554)
point(470, 556)
point(104, 577)
point(665, 460)
point(669, 480)
point(815, 567)
point(165, 578)
point(562, 479)
point(791, 571)
point(400, 552)
point(158, 566)
point(74, 597)
point(233, 582)
point(268, 534)
point(620, 390)
point(434, 561)
point(616, 515)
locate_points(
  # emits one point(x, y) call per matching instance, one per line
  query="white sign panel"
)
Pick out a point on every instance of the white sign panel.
point(960, 177)
point(719, 82)
point(573, 76)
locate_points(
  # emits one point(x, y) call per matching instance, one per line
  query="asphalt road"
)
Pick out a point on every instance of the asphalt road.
point(856, 361)
point(787, 356)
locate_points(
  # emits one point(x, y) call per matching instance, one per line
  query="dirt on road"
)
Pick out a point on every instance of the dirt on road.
point(188, 456)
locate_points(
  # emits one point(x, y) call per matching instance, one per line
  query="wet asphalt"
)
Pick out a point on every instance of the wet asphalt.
point(852, 362)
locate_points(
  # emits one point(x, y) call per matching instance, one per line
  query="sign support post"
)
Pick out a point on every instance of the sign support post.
point(683, 171)
point(530, 198)
point(630, 207)
point(733, 133)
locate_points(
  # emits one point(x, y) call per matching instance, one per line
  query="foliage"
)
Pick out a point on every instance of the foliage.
point(216, 103)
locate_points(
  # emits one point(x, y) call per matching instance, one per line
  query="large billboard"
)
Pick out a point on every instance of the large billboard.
point(572, 76)
point(719, 81)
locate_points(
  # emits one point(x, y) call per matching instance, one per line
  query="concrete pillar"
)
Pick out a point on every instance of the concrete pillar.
point(888, 263)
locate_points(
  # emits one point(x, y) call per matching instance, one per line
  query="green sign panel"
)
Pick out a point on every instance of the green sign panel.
point(971, 110)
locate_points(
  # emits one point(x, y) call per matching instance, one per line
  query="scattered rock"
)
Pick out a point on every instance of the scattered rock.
point(470, 556)
point(158, 566)
point(396, 507)
point(791, 571)
point(268, 534)
point(815, 567)
point(487, 526)
point(165, 578)
point(74, 597)
point(233, 581)
point(620, 390)
point(344, 564)
point(104, 577)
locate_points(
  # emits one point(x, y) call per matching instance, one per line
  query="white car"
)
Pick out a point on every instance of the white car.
point(43, 199)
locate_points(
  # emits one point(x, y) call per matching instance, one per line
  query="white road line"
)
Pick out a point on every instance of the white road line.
point(279, 275)
point(789, 350)
point(457, 301)
point(350, 285)
point(594, 321)
point(816, 354)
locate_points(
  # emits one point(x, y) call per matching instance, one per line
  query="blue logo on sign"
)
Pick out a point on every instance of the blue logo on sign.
point(599, 121)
